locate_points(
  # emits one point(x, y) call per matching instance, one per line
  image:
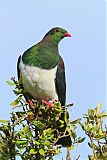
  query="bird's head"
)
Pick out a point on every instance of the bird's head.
point(57, 34)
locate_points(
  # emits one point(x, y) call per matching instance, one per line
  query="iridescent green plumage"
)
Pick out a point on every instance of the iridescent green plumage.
point(43, 56)
point(45, 53)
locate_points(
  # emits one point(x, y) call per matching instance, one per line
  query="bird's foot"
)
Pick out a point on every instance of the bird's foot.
point(47, 103)
point(32, 103)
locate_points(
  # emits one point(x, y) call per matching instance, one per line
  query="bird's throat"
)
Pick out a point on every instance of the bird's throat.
point(45, 56)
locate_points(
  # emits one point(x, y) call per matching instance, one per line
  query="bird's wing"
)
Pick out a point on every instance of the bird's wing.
point(26, 95)
point(60, 82)
point(18, 70)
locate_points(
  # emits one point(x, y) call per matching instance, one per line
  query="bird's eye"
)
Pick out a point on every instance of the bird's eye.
point(56, 30)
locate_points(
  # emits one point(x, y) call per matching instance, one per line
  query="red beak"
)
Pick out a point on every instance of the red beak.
point(67, 35)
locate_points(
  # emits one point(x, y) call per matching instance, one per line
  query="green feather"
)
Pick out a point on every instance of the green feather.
point(41, 56)
point(45, 54)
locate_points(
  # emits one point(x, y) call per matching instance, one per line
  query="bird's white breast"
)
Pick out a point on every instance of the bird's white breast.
point(40, 83)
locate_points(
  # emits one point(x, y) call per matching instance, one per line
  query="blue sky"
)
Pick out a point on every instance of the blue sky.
point(24, 23)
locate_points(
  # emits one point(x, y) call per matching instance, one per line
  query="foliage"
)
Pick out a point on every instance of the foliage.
point(36, 129)
point(96, 132)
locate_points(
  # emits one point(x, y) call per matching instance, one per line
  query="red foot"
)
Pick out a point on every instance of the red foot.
point(48, 104)
point(30, 103)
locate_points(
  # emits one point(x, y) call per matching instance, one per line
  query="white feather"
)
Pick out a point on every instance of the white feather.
point(40, 83)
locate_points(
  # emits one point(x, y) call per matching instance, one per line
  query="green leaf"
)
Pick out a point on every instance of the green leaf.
point(68, 129)
point(83, 127)
point(42, 152)
point(47, 143)
point(73, 126)
point(101, 133)
point(10, 83)
point(57, 150)
point(38, 143)
point(62, 125)
point(22, 135)
point(4, 121)
point(39, 124)
point(90, 145)
point(97, 109)
point(50, 137)
point(48, 131)
point(21, 142)
point(91, 117)
point(61, 121)
point(25, 129)
point(66, 117)
point(32, 151)
point(18, 91)
point(90, 157)
point(85, 115)
point(73, 134)
point(90, 112)
point(76, 121)
point(16, 102)
point(98, 127)
point(89, 127)
point(80, 140)
point(71, 147)
point(5, 127)
point(104, 114)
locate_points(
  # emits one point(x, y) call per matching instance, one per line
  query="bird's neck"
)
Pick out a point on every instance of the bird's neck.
point(47, 40)
point(44, 55)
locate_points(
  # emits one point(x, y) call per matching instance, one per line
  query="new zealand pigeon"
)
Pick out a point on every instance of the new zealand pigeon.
point(42, 70)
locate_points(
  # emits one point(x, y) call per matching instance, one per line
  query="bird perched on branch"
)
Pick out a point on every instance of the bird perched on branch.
point(42, 71)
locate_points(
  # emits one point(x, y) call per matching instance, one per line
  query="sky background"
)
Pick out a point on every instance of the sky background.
point(24, 23)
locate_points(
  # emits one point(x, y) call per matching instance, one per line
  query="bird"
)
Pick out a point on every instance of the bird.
point(41, 68)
